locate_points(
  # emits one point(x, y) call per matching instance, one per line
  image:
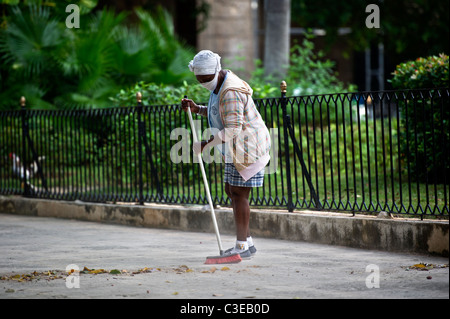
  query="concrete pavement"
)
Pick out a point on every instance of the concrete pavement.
point(169, 264)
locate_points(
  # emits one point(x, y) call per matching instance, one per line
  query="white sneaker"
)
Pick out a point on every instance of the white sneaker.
point(242, 253)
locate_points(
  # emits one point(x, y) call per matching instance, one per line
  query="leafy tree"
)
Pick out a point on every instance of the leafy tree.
point(57, 67)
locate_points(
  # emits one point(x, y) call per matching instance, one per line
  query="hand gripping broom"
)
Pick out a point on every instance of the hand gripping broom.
point(221, 259)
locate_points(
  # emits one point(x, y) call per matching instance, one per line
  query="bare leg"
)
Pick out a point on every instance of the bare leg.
point(241, 210)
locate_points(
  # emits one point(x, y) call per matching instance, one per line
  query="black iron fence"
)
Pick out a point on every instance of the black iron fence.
point(370, 151)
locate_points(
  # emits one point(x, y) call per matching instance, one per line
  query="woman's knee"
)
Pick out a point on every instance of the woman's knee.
point(239, 192)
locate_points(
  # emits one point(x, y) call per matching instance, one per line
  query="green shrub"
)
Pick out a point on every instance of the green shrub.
point(429, 72)
point(162, 94)
point(308, 74)
point(425, 121)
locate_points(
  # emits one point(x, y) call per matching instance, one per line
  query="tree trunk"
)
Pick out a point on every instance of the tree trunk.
point(277, 37)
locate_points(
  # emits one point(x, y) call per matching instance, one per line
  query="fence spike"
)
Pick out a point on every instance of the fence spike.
point(283, 86)
point(22, 101)
point(139, 97)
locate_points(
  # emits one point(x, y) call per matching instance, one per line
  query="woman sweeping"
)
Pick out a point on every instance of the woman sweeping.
point(242, 137)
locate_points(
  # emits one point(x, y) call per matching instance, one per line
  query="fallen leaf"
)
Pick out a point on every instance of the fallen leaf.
point(225, 268)
point(422, 266)
point(175, 293)
point(211, 270)
point(115, 272)
point(97, 271)
point(182, 269)
point(85, 270)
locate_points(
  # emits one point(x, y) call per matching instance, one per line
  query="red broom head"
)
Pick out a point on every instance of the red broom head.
point(230, 259)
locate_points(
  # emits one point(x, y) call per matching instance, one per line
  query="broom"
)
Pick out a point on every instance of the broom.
point(221, 259)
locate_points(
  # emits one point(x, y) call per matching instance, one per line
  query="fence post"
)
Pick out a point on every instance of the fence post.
point(23, 113)
point(289, 131)
point(140, 136)
point(283, 86)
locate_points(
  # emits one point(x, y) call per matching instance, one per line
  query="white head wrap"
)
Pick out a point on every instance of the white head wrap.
point(205, 62)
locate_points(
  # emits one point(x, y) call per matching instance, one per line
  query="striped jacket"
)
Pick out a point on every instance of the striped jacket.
point(243, 124)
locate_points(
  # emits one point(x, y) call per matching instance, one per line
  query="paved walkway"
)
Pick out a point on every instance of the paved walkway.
point(166, 264)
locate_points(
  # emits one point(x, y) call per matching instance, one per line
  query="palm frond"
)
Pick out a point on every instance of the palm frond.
point(133, 54)
point(171, 57)
point(29, 39)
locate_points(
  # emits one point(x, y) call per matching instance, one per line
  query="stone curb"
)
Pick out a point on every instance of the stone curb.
point(361, 231)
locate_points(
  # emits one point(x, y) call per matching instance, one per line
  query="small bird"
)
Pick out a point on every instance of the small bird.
point(34, 165)
point(18, 168)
